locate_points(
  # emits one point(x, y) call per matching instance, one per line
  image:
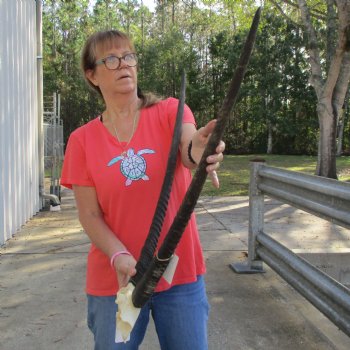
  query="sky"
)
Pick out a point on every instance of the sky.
point(149, 3)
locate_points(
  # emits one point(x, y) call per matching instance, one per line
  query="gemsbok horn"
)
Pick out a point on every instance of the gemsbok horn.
point(131, 298)
point(150, 245)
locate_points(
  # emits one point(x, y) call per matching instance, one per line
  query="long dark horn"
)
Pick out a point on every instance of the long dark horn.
point(151, 242)
point(145, 288)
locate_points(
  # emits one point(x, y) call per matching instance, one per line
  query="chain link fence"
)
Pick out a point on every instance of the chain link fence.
point(53, 142)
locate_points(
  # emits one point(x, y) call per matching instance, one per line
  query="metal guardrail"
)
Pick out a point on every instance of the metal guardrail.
point(325, 198)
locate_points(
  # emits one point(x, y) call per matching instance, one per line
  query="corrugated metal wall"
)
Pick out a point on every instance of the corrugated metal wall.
point(19, 165)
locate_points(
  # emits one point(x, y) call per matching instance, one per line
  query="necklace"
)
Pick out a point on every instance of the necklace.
point(132, 134)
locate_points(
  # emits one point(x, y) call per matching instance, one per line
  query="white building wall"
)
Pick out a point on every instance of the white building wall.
point(19, 163)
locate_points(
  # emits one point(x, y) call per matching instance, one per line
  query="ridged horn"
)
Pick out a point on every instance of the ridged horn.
point(145, 287)
point(151, 242)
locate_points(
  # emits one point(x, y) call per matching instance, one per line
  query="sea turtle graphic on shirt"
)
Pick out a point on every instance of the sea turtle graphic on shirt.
point(133, 166)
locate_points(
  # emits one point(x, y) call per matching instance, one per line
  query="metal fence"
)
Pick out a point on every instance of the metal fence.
point(53, 141)
point(19, 160)
point(326, 198)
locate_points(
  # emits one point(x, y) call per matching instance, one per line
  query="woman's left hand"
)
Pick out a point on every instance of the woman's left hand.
point(199, 141)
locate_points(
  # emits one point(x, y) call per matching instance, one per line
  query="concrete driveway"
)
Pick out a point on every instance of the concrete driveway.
point(42, 276)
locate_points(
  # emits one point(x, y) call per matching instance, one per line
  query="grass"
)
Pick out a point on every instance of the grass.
point(235, 170)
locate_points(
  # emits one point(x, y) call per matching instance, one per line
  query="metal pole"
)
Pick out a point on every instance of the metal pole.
point(256, 222)
point(39, 60)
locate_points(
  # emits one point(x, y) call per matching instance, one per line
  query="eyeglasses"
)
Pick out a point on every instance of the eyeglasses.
point(114, 62)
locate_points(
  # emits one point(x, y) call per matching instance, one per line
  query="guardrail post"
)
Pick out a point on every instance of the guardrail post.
point(256, 222)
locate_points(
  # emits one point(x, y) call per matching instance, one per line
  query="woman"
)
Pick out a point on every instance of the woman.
point(115, 165)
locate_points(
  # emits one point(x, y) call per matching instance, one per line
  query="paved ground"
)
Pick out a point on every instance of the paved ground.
point(42, 271)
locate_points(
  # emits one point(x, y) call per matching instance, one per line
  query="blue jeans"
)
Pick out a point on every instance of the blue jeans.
point(180, 315)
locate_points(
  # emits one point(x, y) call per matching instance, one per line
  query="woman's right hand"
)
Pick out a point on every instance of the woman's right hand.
point(125, 267)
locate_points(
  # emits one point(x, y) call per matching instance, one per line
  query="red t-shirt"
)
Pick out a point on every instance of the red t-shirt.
point(128, 188)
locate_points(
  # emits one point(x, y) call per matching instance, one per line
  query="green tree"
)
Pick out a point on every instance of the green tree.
point(329, 57)
point(275, 111)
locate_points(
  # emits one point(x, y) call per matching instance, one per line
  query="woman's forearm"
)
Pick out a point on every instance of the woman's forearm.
point(92, 221)
point(100, 234)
